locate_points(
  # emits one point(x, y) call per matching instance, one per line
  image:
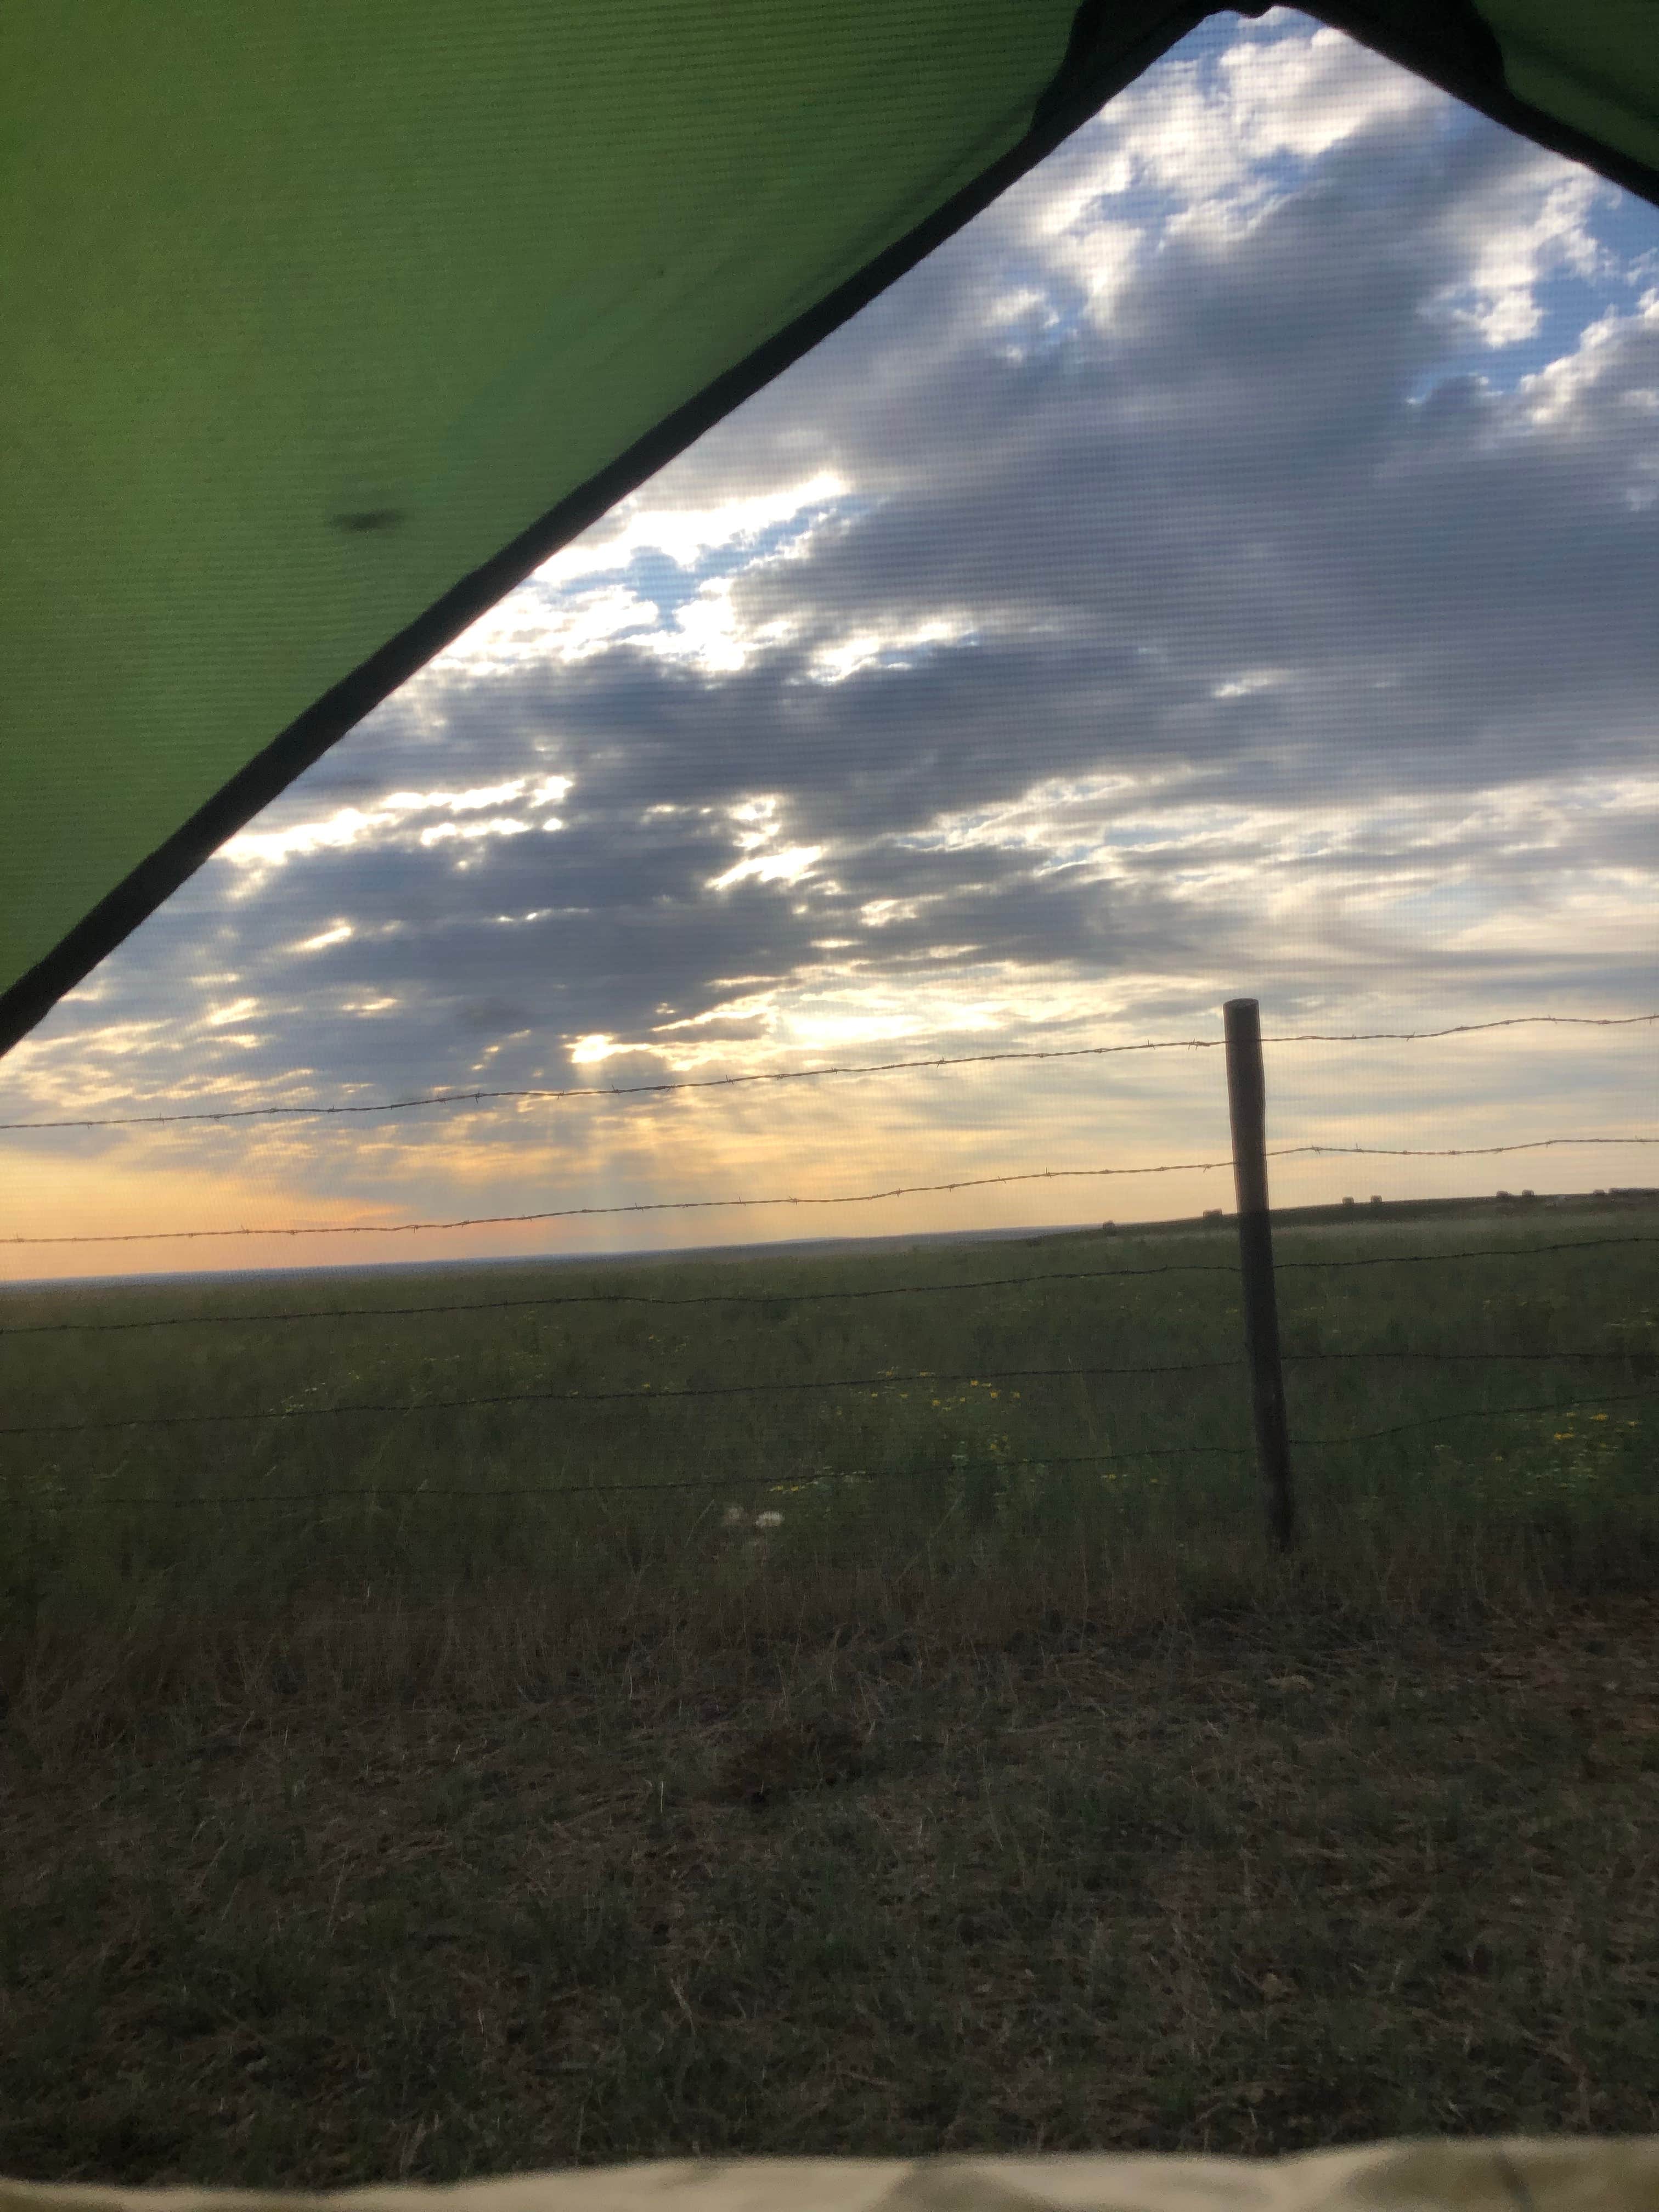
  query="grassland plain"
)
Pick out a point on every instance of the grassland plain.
point(829, 1703)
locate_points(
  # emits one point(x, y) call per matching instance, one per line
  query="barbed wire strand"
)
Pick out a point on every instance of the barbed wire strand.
point(1469, 1251)
point(838, 1198)
point(1435, 1351)
point(549, 1096)
point(676, 1484)
point(1472, 1413)
point(773, 1297)
point(639, 1205)
point(648, 1394)
point(725, 1481)
point(1443, 1151)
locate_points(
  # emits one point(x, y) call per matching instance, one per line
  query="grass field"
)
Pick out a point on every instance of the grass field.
point(828, 1704)
point(972, 1408)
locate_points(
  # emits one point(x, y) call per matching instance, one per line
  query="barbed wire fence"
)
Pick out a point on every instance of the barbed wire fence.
point(1259, 1362)
point(314, 1110)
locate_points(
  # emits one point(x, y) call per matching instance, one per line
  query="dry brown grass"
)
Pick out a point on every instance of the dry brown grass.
point(426, 1895)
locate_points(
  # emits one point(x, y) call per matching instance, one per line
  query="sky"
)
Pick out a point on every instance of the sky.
point(1226, 567)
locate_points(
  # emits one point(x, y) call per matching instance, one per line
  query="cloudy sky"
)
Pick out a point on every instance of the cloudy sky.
point(1228, 567)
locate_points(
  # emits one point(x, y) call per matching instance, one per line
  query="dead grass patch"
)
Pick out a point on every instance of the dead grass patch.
point(1252, 1884)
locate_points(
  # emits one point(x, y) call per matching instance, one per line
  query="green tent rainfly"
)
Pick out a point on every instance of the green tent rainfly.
point(321, 325)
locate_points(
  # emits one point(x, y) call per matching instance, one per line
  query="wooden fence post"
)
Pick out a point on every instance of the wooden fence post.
point(1247, 1105)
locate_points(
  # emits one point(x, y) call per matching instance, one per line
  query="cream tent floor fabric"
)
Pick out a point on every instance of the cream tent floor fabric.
point(1490, 2174)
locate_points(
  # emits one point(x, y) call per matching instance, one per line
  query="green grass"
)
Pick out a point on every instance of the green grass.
point(1013, 1797)
point(1003, 1454)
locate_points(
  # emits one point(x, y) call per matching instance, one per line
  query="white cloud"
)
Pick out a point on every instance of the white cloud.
point(390, 822)
point(502, 825)
point(1303, 94)
point(787, 866)
point(1211, 146)
point(893, 645)
point(549, 617)
point(592, 1050)
point(1252, 681)
point(539, 622)
point(1205, 141)
point(1564, 394)
point(653, 521)
point(1530, 224)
